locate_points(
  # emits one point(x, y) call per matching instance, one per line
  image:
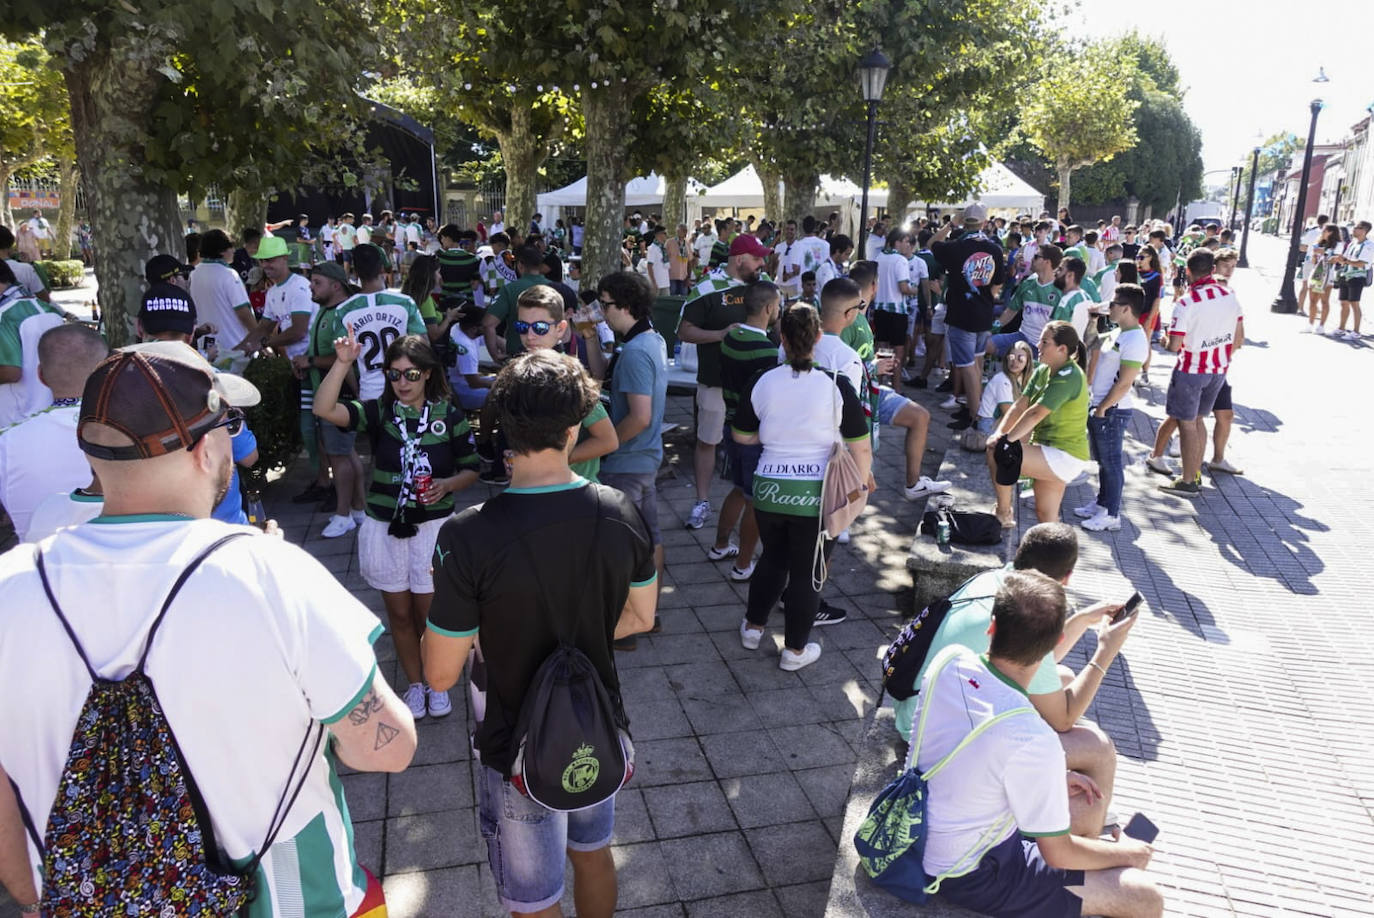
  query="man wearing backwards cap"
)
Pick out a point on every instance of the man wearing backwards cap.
point(711, 310)
point(260, 643)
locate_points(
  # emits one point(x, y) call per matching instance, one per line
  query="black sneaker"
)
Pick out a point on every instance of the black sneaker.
point(960, 423)
point(829, 615)
point(917, 382)
point(946, 386)
point(626, 644)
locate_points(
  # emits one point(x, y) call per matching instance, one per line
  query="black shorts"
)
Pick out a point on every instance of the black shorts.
point(1351, 289)
point(1223, 402)
point(889, 327)
point(1013, 880)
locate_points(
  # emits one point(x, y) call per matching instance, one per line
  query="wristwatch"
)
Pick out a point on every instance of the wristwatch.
point(32, 909)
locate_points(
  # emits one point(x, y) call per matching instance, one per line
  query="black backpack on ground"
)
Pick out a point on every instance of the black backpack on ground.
point(965, 527)
point(128, 832)
point(573, 741)
point(907, 654)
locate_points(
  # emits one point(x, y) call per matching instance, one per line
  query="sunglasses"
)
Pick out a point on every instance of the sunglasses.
point(232, 421)
point(412, 374)
point(539, 328)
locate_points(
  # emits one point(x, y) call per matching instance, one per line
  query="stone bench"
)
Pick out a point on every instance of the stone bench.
point(937, 569)
point(852, 893)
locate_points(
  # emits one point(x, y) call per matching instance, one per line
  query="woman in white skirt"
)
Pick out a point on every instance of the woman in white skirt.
point(422, 453)
point(1050, 420)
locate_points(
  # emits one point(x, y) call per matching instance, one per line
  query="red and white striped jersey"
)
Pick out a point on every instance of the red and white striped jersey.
point(1205, 317)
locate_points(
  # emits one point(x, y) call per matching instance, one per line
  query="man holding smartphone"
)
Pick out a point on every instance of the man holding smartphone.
point(1006, 804)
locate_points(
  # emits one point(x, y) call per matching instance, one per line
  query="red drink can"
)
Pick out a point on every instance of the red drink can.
point(422, 483)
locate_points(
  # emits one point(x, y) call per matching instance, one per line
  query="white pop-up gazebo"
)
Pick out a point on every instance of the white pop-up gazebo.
point(744, 189)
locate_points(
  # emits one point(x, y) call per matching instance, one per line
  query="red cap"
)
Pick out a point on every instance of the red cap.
point(745, 244)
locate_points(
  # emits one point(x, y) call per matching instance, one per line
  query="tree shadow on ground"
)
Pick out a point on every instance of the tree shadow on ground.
point(1262, 532)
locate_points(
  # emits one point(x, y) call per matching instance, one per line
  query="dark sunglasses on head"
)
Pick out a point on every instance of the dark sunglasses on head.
point(232, 422)
point(411, 374)
point(539, 328)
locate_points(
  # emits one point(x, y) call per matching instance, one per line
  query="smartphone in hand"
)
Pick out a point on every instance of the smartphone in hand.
point(1141, 829)
point(1132, 607)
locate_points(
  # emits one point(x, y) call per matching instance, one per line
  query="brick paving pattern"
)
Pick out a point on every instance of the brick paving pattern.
point(1242, 707)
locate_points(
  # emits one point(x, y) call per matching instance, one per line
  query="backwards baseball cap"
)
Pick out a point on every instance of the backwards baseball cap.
point(271, 247)
point(975, 213)
point(745, 244)
point(164, 267)
point(161, 397)
point(167, 308)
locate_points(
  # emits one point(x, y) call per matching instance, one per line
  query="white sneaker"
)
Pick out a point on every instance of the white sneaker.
point(1088, 511)
point(415, 699)
point(358, 516)
point(1307, 329)
point(337, 526)
point(1174, 452)
point(949, 403)
point(720, 554)
point(700, 511)
point(748, 637)
point(792, 661)
point(1102, 522)
point(1157, 464)
point(439, 704)
point(1321, 330)
point(1352, 336)
point(742, 575)
point(924, 487)
point(843, 537)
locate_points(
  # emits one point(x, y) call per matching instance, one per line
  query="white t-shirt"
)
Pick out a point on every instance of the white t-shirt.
point(826, 273)
point(873, 246)
point(894, 269)
point(327, 234)
point(27, 276)
point(1120, 347)
point(363, 234)
point(998, 391)
point(1014, 770)
point(919, 271)
point(657, 259)
point(496, 228)
point(833, 354)
point(40, 228)
point(808, 253)
point(703, 247)
point(289, 298)
point(260, 644)
point(39, 457)
point(1097, 260)
point(468, 361)
point(346, 236)
point(58, 511)
point(217, 290)
point(1309, 239)
point(791, 286)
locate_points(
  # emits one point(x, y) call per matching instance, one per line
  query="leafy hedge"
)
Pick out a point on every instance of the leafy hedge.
point(67, 273)
point(275, 420)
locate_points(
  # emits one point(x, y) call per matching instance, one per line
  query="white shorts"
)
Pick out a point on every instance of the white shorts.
point(395, 565)
point(937, 320)
point(1065, 467)
point(710, 414)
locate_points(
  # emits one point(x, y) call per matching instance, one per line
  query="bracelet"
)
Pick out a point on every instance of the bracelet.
point(32, 909)
point(1098, 667)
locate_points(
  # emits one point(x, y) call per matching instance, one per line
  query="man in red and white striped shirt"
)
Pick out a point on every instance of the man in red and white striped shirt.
point(1205, 331)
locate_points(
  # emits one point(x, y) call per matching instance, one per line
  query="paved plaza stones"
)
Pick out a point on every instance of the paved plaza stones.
point(1242, 707)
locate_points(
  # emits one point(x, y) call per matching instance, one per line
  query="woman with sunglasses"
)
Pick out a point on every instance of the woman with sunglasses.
point(1050, 420)
point(1150, 271)
point(422, 453)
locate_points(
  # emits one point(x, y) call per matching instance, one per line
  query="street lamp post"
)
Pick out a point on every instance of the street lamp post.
point(872, 78)
point(1287, 300)
point(1243, 262)
point(1235, 196)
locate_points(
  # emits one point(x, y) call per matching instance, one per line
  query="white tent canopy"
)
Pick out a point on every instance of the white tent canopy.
point(998, 189)
point(639, 192)
point(743, 189)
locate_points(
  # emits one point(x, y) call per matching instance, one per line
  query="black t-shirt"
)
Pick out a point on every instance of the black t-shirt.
point(973, 264)
point(1129, 250)
point(584, 546)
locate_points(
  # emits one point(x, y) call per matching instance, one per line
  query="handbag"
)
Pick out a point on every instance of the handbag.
point(965, 527)
point(844, 492)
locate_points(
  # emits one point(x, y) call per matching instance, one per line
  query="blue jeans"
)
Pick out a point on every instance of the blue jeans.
point(1104, 439)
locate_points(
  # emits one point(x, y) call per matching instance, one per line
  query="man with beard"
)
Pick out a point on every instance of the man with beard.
point(716, 306)
point(238, 608)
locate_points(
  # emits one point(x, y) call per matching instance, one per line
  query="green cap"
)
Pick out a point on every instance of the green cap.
point(271, 247)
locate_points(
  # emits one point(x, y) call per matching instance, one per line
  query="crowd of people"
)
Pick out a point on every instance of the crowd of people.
point(493, 361)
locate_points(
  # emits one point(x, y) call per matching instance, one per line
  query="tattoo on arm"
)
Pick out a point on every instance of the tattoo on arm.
point(370, 705)
point(385, 734)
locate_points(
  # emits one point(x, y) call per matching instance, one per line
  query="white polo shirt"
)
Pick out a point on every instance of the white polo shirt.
point(260, 644)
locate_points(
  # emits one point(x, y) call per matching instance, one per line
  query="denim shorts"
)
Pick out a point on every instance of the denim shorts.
point(1006, 340)
point(337, 442)
point(527, 844)
point(1013, 879)
point(1192, 395)
point(740, 461)
point(965, 346)
point(642, 490)
point(889, 403)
